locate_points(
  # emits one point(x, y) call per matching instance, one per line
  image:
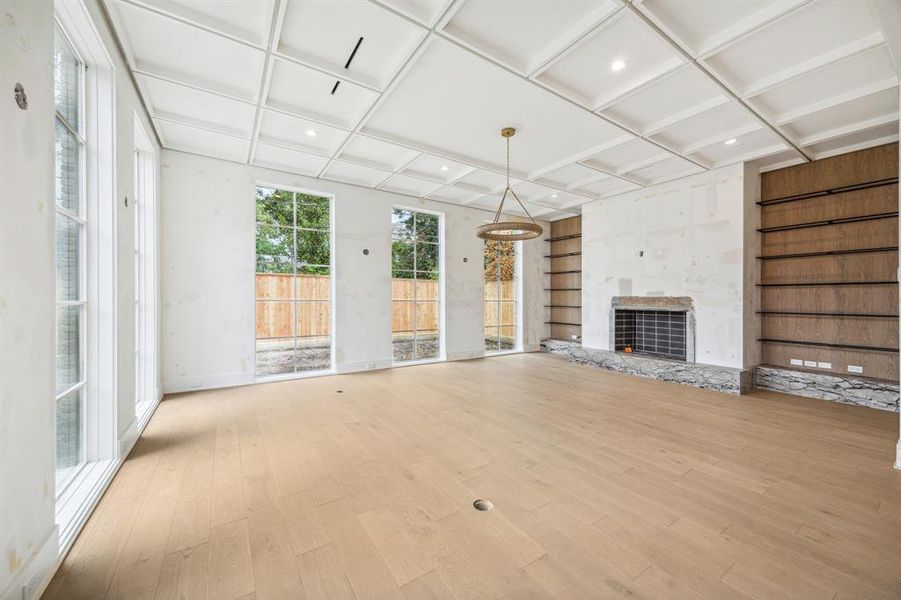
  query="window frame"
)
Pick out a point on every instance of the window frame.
point(332, 301)
point(442, 353)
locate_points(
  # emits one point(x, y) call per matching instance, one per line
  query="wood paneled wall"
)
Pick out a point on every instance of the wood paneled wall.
point(565, 277)
point(829, 290)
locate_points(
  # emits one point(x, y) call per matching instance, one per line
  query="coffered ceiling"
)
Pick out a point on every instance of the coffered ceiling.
point(607, 96)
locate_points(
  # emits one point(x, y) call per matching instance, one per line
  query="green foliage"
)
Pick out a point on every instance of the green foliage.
point(292, 229)
point(414, 246)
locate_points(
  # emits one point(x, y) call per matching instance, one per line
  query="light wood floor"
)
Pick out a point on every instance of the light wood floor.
point(605, 486)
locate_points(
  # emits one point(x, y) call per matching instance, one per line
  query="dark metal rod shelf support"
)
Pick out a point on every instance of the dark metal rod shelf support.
point(827, 345)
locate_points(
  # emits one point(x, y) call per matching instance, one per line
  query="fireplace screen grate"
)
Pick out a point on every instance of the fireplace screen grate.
point(651, 332)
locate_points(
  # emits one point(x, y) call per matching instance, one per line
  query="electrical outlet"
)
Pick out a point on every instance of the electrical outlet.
point(824, 365)
point(797, 362)
point(855, 369)
point(574, 336)
point(810, 363)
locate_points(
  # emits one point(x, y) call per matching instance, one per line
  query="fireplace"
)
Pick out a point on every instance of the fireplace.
point(654, 326)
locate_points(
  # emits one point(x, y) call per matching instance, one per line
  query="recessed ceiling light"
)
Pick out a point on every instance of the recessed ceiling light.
point(617, 65)
point(731, 141)
point(553, 195)
point(444, 167)
point(312, 132)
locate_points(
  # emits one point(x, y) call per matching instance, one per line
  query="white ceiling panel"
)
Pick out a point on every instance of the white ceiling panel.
point(528, 36)
point(306, 92)
point(201, 141)
point(441, 78)
point(454, 101)
point(453, 194)
point(755, 143)
point(179, 51)
point(437, 169)
point(822, 25)
point(424, 11)
point(378, 154)
point(858, 72)
point(665, 170)
point(326, 33)
point(874, 136)
point(301, 134)
point(777, 161)
point(686, 91)
point(722, 122)
point(586, 73)
point(181, 103)
point(486, 182)
point(356, 174)
point(246, 19)
point(511, 207)
point(569, 175)
point(411, 186)
point(627, 157)
point(532, 192)
point(882, 106)
point(699, 24)
point(288, 160)
point(607, 187)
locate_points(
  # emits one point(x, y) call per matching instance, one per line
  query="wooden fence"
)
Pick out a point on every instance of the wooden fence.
point(275, 310)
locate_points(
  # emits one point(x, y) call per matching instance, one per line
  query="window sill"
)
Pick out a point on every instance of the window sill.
point(75, 504)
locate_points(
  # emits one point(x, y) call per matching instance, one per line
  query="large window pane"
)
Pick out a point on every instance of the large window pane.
point(66, 75)
point(69, 419)
point(68, 346)
point(500, 296)
point(68, 170)
point(293, 285)
point(68, 258)
point(415, 285)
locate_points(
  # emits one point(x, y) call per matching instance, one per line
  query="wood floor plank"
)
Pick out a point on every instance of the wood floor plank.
point(604, 486)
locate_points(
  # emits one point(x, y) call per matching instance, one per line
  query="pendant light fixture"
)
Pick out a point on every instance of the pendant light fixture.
point(509, 231)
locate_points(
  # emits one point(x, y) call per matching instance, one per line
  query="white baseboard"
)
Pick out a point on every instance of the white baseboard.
point(365, 365)
point(898, 455)
point(31, 581)
point(206, 382)
point(466, 354)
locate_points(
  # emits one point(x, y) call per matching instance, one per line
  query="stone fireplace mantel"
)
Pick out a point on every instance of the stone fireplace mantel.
point(682, 304)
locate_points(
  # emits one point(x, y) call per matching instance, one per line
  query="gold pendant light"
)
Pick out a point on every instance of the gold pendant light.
point(509, 231)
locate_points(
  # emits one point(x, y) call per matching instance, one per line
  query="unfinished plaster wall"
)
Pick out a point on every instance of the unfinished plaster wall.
point(208, 260)
point(682, 238)
point(27, 296)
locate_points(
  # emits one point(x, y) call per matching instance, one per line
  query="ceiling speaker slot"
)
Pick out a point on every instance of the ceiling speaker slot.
point(350, 59)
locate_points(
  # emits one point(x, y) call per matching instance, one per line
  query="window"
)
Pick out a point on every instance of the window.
point(293, 283)
point(71, 304)
point(415, 285)
point(144, 208)
point(500, 297)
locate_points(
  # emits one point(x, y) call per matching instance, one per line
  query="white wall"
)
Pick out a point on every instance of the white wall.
point(208, 256)
point(692, 233)
point(27, 289)
point(28, 534)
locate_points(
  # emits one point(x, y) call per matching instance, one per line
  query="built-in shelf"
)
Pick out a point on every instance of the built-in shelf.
point(831, 191)
point(827, 345)
point(562, 272)
point(564, 237)
point(830, 253)
point(563, 289)
point(826, 222)
point(563, 254)
point(561, 306)
point(811, 283)
point(562, 323)
point(823, 314)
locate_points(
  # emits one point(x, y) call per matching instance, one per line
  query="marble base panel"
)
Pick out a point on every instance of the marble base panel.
point(847, 390)
point(723, 379)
